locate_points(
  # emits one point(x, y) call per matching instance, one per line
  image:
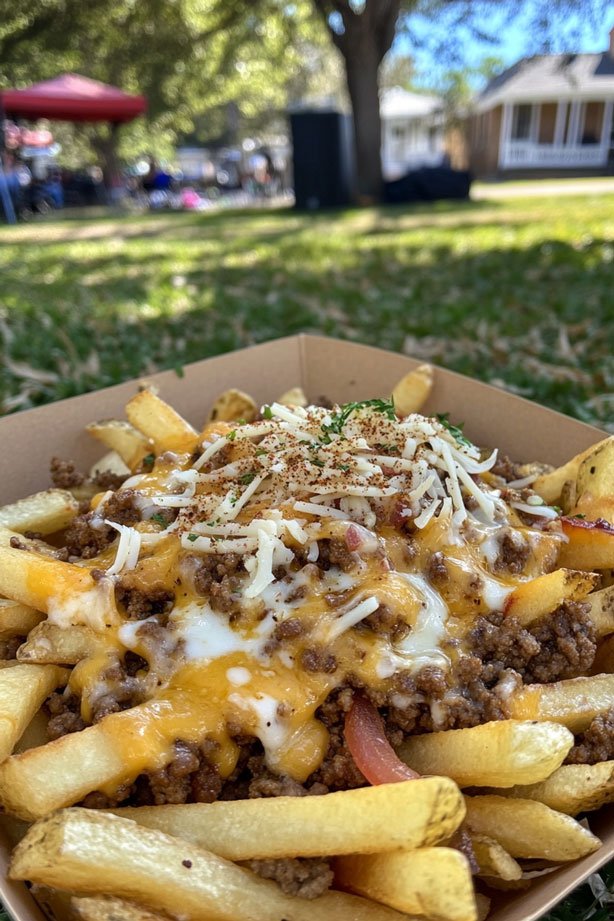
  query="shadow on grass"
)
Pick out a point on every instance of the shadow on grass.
point(99, 319)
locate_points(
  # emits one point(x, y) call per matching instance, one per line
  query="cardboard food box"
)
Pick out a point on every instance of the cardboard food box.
point(342, 372)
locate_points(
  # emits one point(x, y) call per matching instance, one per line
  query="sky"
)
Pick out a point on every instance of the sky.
point(513, 40)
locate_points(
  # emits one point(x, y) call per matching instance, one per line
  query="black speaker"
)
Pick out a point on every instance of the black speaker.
point(323, 159)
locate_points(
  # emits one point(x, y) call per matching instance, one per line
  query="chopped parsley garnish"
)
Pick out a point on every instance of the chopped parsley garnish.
point(559, 510)
point(573, 516)
point(317, 461)
point(148, 461)
point(344, 467)
point(338, 420)
point(241, 421)
point(246, 478)
point(267, 412)
point(260, 452)
point(231, 435)
point(159, 519)
point(192, 537)
point(456, 431)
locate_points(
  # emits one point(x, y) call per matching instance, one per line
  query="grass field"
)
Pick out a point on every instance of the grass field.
point(519, 293)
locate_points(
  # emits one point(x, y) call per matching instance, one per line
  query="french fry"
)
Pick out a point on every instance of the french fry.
point(550, 485)
point(412, 391)
point(493, 860)
point(91, 852)
point(602, 610)
point(483, 905)
point(123, 438)
point(111, 462)
point(160, 423)
point(23, 689)
point(590, 544)
point(107, 908)
point(575, 702)
point(401, 815)
point(35, 733)
point(493, 754)
point(293, 397)
point(526, 828)
point(44, 512)
point(38, 581)
point(534, 599)
point(595, 483)
point(434, 882)
point(573, 788)
point(9, 537)
point(17, 619)
point(50, 644)
point(231, 406)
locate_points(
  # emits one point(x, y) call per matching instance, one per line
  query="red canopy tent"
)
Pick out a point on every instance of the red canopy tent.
point(73, 98)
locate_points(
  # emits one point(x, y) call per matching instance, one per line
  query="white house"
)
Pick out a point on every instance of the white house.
point(412, 131)
point(549, 112)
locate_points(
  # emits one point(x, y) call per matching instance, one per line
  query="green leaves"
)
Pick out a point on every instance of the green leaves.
point(338, 420)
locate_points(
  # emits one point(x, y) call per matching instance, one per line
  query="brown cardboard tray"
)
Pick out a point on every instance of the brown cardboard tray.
point(341, 371)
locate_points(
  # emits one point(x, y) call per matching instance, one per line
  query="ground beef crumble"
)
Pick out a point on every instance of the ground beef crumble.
point(217, 578)
point(305, 877)
point(64, 474)
point(596, 743)
point(561, 645)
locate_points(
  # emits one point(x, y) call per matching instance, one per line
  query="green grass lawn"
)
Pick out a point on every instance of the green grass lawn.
point(518, 293)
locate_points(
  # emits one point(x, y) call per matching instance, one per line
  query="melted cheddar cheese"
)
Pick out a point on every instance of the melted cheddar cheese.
point(333, 521)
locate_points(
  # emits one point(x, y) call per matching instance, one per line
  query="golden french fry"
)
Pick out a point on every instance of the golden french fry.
point(526, 828)
point(23, 689)
point(412, 391)
point(293, 397)
point(533, 599)
point(602, 610)
point(573, 788)
point(35, 733)
point(107, 908)
point(39, 581)
point(575, 702)
point(111, 462)
point(91, 852)
point(122, 438)
point(590, 544)
point(160, 423)
point(493, 860)
point(17, 619)
point(231, 406)
point(364, 821)
point(493, 754)
point(44, 512)
point(549, 485)
point(50, 644)
point(483, 905)
point(434, 882)
point(9, 538)
point(595, 478)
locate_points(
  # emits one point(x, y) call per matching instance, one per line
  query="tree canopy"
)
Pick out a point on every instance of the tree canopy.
point(191, 58)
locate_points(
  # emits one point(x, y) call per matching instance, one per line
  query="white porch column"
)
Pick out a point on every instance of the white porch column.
point(505, 133)
point(606, 128)
point(574, 124)
point(559, 125)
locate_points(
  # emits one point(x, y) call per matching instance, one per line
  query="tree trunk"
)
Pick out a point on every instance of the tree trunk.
point(105, 144)
point(366, 34)
point(362, 69)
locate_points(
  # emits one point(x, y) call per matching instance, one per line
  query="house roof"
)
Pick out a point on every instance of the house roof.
point(552, 76)
point(399, 103)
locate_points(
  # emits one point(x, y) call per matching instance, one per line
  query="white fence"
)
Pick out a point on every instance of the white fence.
point(525, 155)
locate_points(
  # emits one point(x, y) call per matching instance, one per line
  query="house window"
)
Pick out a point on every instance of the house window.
point(521, 123)
point(592, 123)
point(547, 122)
